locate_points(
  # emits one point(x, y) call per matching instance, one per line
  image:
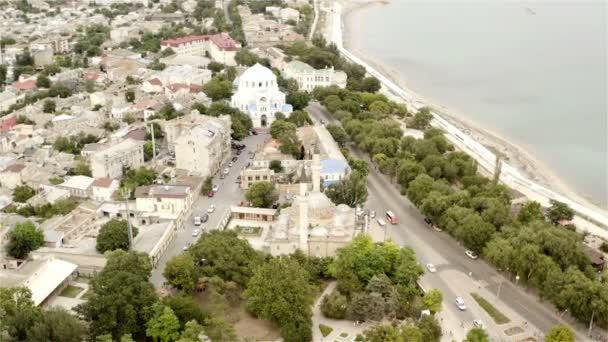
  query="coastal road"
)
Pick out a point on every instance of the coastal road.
point(229, 194)
point(457, 275)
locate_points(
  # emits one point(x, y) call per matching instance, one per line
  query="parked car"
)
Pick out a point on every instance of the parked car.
point(372, 214)
point(211, 194)
point(254, 132)
point(222, 176)
point(197, 220)
point(231, 164)
point(431, 268)
point(238, 152)
point(211, 208)
point(215, 188)
point(437, 228)
point(381, 222)
point(471, 254)
point(226, 171)
point(479, 324)
point(205, 218)
point(460, 304)
point(196, 232)
point(187, 246)
point(234, 159)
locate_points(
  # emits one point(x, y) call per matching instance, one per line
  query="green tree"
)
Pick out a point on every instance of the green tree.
point(300, 118)
point(130, 96)
point(223, 254)
point(422, 118)
point(164, 325)
point(430, 328)
point(22, 193)
point(246, 57)
point(477, 335)
point(276, 166)
point(381, 333)
point(279, 292)
point(334, 305)
point(338, 133)
point(83, 168)
point(148, 150)
point(180, 272)
point(559, 211)
point(114, 235)
point(299, 100)
point(59, 89)
point(560, 333)
point(366, 306)
point(43, 81)
point(122, 297)
point(350, 190)
point(218, 89)
point(432, 300)
point(262, 194)
point(531, 211)
point(419, 188)
point(18, 312)
point(215, 66)
point(207, 185)
point(191, 331)
point(49, 106)
point(56, 324)
point(185, 308)
point(24, 238)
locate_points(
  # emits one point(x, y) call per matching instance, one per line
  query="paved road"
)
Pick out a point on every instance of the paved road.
point(228, 194)
point(453, 266)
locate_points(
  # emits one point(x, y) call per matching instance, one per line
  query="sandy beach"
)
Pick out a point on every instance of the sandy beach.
point(516, 155)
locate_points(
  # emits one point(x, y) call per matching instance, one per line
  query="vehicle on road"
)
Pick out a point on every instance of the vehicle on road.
point(205, 218)
point(391, 217)
point(235, 159)
point(196, 232)
point(254, 132)
point(381, 222)
point(215, 188)
point(210, 194)
point(211, 208)
point(358, 211)
point(187, 246)
point(372, 214)
point(222, 176)
point(238, 152)
point(322, 122)
point(230, 164)
point(428, 221)
point(431, 268)
point(226, 171)
point(437, 228)
point(471, 254)
point(479, 324)
point(197, 220)
point(460, 304)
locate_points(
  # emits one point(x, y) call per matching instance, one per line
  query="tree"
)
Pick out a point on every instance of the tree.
point(559, 211)
point(531, 211)
point(185, 308)
point(262, 194)
point(114, 235)
point(148, 150)
point(281, 127)
point(246, 57)
point(430, 328)
point(560, 333)
point(419, 188)
point(191, 331)
point(223, 254)
point(49, 106)
point(130, 96)
point(381, 333)
point(334, 305)
point(164, 325)
point(299, 100)
point(59, 89)
point(432, 300)
point(350, 190)
point(122, 296)
point(366, 306)
point(338, 133)
point(42, 81)
point(300, 118)
point(56, 324)
point(215, 66)
point(276, 166)
point(422, 118)
point(218, 89)
point(180, 272)
point(207, 185)
point(24, 238)
point(83, 168)
point(279, 292)
point(477, 335)
point(22, 193)
point(18, 312)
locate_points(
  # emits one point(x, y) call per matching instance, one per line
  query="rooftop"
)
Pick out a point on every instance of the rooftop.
point(162, 191)
point(78, 182)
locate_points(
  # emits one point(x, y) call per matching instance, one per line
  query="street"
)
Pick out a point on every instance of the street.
point(457, 275)
point(229, 194)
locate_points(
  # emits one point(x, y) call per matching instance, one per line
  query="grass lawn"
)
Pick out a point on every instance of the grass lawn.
point(498, 316)
point(325, 329)
point(71, 291)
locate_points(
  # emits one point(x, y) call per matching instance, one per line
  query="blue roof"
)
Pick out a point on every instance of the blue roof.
point(287, 108)
point(334, 166)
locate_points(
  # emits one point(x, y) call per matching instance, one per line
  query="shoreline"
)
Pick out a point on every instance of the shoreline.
point(515, 154)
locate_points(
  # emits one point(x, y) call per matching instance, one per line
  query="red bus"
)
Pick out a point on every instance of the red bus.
point(391, 217)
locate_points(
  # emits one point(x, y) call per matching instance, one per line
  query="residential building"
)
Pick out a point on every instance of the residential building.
point(11, 176)
point(7, 99)
point(273, 54)
point(308, 77)
point(221, 47)
point(165, 201)
point(183, 74)
point(123, 34)
point(259, 96)
point(103, 189)
point(109, 162)
point(250, 176)
point(78, 186)
point(43, 57)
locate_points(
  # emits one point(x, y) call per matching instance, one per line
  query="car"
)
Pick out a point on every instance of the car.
point(211, 194)
point(254, 132)
point(238, 152)
point(372, 214)
point(437, 228)
point(215, 188)
point(196, 232)
point(460, 304)
point(427, 221)
point(322, 122)
point(197, 220)
point(226, 171)
point(478, 324)
point(431, 268)
point(471, 254)
point(222, 176)
point(211, 208)
point(205, 218)
point(230, 164)
point(234, 159)
point(187, 246)
point(381, 222)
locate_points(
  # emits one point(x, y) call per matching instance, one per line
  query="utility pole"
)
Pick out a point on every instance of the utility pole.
point(125, 194)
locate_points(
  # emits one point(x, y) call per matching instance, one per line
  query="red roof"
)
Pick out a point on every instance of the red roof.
point(175, 87)
point(222, 40)
point(25, 85)
point(103, 182)
point(155, 81)
point(183, 40)
point(15, 168)
point(195, 88)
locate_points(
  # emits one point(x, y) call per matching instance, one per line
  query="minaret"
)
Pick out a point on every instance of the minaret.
point(316, 172)
point(303, 218)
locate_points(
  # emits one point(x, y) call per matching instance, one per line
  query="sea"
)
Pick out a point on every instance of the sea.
point(534, 72)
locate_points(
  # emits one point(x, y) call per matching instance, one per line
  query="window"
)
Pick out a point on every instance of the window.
point(257, 178)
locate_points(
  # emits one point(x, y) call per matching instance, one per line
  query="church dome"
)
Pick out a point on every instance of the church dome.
point(258, 77)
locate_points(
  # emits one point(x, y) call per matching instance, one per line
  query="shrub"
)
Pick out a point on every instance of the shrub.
point(325, 329)
point(334, 305)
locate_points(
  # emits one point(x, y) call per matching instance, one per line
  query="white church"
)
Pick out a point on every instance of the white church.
point(259, 96)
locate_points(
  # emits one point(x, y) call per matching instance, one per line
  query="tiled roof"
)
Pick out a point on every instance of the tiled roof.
point(222, 40)
point(103, 182)
point(15, 168)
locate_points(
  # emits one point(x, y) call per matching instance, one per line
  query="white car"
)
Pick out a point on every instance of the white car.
point(211, 208)
point(381, 223)
point(230, 164)
point(478, 324)
point(372, 214)
point(471, 254)
point(460, 304)
point(226, 171)
point(431, 268)
point(197, 220)
point(196, 232)
point(187, 246)
point(215, 188)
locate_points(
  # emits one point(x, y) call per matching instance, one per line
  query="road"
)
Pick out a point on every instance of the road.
point(229, 194)
point(453, 266)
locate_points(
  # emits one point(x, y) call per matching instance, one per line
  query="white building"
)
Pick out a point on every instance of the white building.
point(123, 34)
point(7, 99)
point(220, 46)
point(109, 162)
point(205, 148)
point(308, 77)
point(103, 189)
point(165, 201)
point(78, 186)
point(183, 74)
point(259, 96)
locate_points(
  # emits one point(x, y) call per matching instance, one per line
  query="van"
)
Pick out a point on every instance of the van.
point(197, 220)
